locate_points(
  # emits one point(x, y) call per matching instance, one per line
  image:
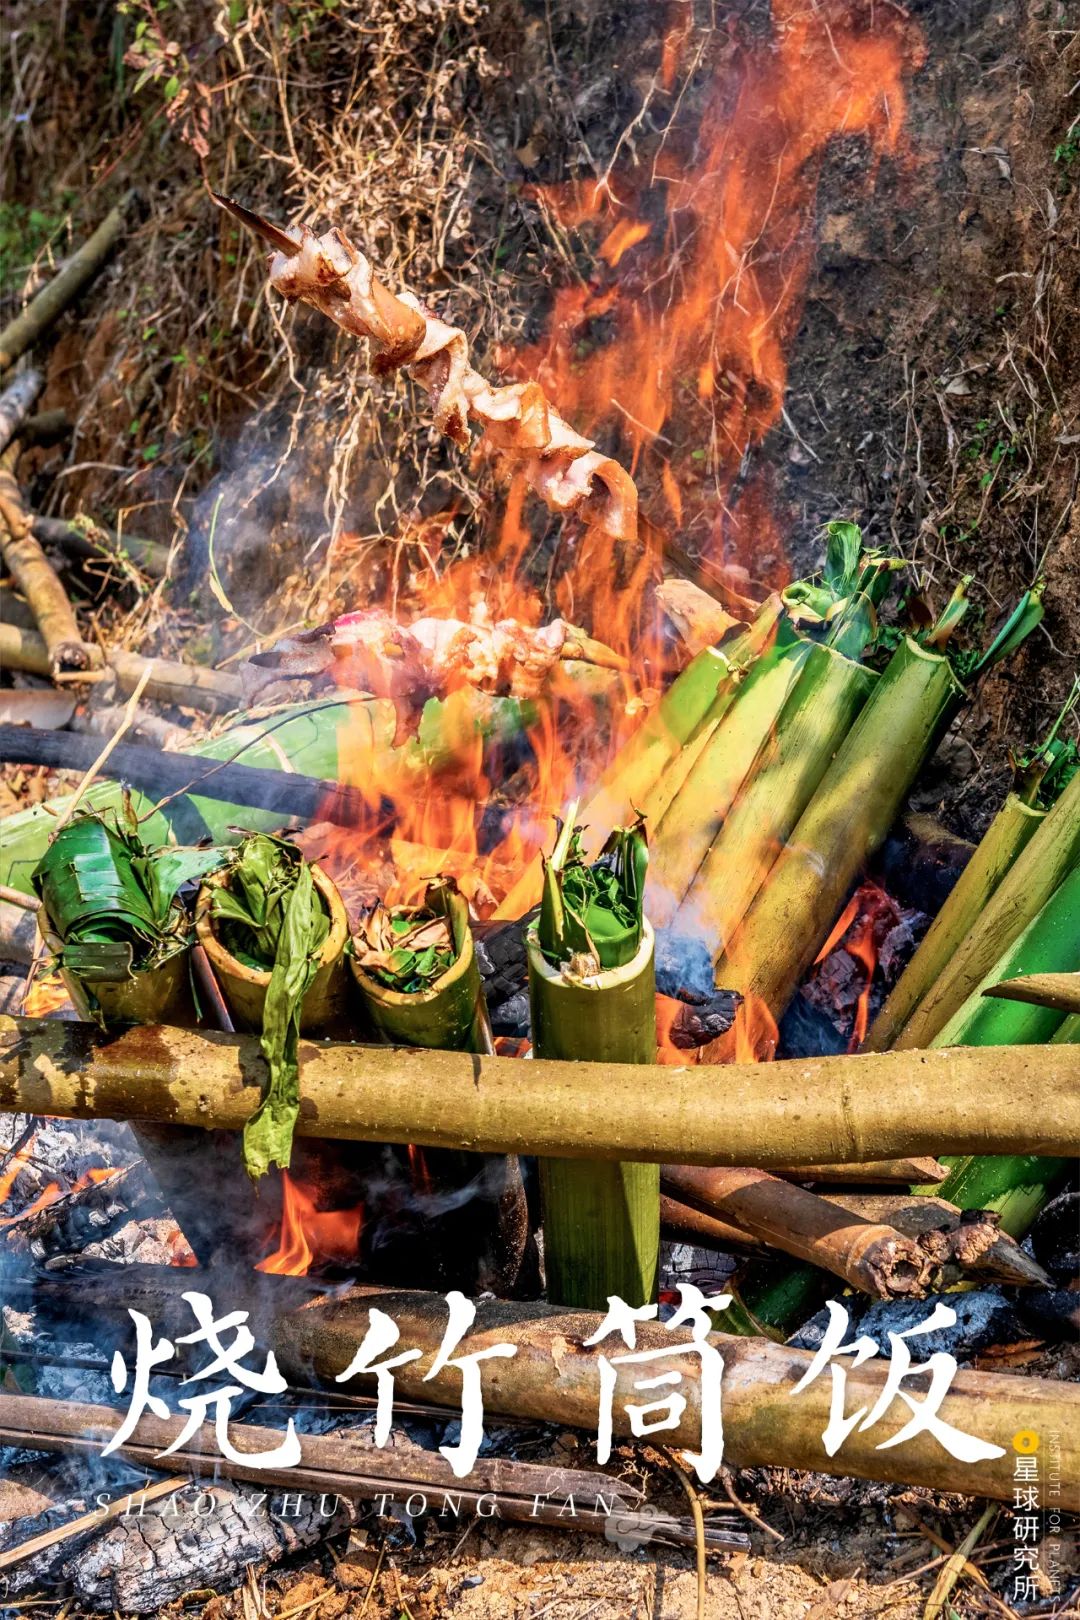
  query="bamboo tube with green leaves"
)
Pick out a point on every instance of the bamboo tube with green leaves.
point(417, 973)
point(1040, 777)
point(856, 803)
point(110, 911)
point(275, 931)
point(593, 996)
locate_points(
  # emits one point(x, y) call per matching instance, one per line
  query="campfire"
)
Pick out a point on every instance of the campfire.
point(539, 945)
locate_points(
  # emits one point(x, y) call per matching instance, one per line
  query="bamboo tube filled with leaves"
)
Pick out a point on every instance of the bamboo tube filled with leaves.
point(275, 931)
point(1040, 778)
point(416, 970)
point(719, 826)
point(593, 997)
point(856, 802)
point(111, 912)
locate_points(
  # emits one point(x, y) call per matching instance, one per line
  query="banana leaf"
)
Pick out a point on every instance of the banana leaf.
point(271, 917)
point(597, 910)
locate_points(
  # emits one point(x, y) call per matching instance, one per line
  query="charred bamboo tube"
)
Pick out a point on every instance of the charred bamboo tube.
point(850, 814)
point(601, 1219)
point(1008, 834)
point(873, 1257)
point(974, 1245)
point(36, 578)
point(990, 1099)
point(1036, 873)
point(451, 1013)
point(813, 722)
point(50, 303)
point(683, 1223)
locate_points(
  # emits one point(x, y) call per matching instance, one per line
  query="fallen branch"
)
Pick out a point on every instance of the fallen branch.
point(157, 772)
point(91, 540)
point(554, 1377)
point(869, 1255)
point(972, 1099)
point(36, 578)
point(43, 311)
point(188, 686)
point(15, 403)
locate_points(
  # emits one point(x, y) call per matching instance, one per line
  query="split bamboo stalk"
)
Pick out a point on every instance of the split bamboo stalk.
point(555, 1377)
point(870, 1256)
point(855, 804)
point(189, 686)
point(964, 1100)
point(36, 578)
point(1038, 870)
point(1008, 834)
point(50, 303)
point(16, 402)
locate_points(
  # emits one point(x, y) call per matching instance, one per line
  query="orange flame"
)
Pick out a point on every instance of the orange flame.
point(54, 1191)
point(309, 1235)
point(15, 1167)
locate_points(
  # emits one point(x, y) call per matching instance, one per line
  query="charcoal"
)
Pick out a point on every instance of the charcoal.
point(1052, 1314)
point(807, 1031)
point(1054, 1238)
point(683, 965)
point(920, 862)
point(983, 1318)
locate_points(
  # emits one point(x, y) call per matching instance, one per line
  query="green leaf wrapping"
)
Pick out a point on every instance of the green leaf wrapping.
point(594, 911)
point(273, 917)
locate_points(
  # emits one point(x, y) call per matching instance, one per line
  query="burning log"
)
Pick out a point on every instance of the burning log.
point(555, 1377)
point(187, 685)
point(854, 806)
point(562, 467)
point(873, 1257)
point(592, 990)
point(854, 1108)
point(350, 1465)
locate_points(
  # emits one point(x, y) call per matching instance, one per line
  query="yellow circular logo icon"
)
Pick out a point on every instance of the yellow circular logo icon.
point(1026, 1441)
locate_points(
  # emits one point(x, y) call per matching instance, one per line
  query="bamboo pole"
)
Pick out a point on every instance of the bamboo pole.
point(964, 1100)
point(189, 686)
point(976, 1246)
point(1009, 833)
point(1058, 991)
point(92, 540)
point(555, 1377)
point(901, 1172)
point(36, 579)
point(868, 1255)
point(50, 303)
point(16, 402)
point(1031, 880)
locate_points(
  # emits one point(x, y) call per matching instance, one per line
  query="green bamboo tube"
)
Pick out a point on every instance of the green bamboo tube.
point(601, 1219)
point(245, 987)
point(1016, 1186)
point(818, 714)
point(158, 995)
point(679, 843)
point(1007, 835)
point(451, 1013)
point(1037, 872)
point(848, 817)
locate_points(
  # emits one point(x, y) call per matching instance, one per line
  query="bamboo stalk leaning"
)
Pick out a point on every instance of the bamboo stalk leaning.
point(855, 804)
point(36, 579)
point(50, 303)
point(1040, 779)
point(592, 992)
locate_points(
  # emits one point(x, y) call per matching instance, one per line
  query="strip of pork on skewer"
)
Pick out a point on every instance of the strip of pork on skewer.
point(561, 466)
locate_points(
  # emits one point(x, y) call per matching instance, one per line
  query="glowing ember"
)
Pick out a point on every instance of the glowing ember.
point(53, 1192)
point(15, 1167)
point(310, 1236)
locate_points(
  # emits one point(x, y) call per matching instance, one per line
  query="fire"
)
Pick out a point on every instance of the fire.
point(311, 1236)
point(15, 1167)
point(675, 349)
point(54, 1191)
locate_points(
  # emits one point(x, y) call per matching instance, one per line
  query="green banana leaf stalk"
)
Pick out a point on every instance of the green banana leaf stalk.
point(112, 903)
point(271, 918)
point(593, 998)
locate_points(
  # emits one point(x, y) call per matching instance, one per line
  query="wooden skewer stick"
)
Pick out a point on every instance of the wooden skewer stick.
point(965, 1100)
